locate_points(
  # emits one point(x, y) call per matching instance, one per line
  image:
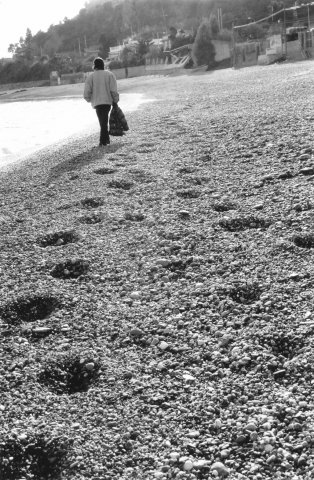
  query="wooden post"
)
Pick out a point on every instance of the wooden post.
point(285, 31)
point(219, 14)
point(233, 47)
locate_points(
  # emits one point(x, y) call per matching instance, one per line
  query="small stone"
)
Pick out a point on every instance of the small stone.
point(193, 434)
point(135, 295)
point(307, 171)
point(244, 360)
point(251, 427)
point(268, 448)
point(65, 329)
point(41, 330)
point(294, 276)
point(90, 366)
point(254, 468)
point(271, 459)
point(220, 468)
point(241, 439)
point(225, 340)
point(183, 459)
point(163, 345)
point(218, 423)
point(199, 464)
point(159, 475)
point(188, 465)
point(258, 206)
point(304, 156)
point(188, 378)
point(136, 332)
point(184, 214)
point(224, 453)
point(75, 425)
point(174, 456)
point(164, 262)
point(301, 461)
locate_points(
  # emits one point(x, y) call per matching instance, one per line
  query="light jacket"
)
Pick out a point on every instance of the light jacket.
point(101, 88)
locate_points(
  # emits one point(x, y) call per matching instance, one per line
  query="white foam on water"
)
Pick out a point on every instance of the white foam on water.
point(28, 126)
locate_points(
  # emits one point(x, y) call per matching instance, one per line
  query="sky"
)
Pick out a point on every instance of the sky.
point(18, 15)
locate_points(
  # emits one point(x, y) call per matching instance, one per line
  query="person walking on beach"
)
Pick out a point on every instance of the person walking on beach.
point(101, 91)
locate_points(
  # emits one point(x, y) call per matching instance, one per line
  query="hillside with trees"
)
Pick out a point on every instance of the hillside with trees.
point(102, 25)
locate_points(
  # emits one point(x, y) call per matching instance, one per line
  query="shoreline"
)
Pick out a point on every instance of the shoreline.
point(71, 118)
point(167, 272)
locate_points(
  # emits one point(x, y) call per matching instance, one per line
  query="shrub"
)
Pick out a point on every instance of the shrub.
point(115, 64)
point(203, 49)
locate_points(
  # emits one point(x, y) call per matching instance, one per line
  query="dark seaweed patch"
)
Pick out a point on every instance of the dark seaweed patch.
point(70, 269)
point(69, 374)
point(29, 309)
point(57, 239)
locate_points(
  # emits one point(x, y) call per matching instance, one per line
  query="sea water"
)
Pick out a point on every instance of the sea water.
point(28, 126)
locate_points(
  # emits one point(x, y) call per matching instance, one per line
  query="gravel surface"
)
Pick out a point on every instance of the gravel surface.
point(156, 306)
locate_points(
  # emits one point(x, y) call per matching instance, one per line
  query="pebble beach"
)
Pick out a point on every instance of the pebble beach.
point(157, 302)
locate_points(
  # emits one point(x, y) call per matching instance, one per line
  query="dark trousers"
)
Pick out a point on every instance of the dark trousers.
point(102, 114)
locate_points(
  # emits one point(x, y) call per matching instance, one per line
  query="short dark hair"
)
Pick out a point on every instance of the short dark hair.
point(99, 64)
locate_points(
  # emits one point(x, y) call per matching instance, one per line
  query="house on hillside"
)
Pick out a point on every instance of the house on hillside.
point(93, 50)
point(290, 37)
point(115, 52)
point(163, 42)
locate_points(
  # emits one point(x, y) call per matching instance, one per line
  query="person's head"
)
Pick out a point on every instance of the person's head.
point(99, 64)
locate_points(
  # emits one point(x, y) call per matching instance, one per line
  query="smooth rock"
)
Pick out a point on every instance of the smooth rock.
point(41, 330)
point(307, 171)
point(164, 262)
point(174, 456)
point(271, 459)
point(184, 214)
point(193, 434)
point(224, 453)
point(136, 332)
point(199, 464)
point(135, 295)
point(188, 465)
point(304, 156)
point(163, 345)
point(220, 468)
point(90, 366)
point(251, 427)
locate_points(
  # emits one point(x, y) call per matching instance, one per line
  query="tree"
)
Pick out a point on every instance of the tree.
point(106, 40)
point(13, 47)
point(28, 51)
point(203, 51)
point(39, 41)
point(52, 43)
point(214, 26)
point(24, 50)
point(142, 47)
